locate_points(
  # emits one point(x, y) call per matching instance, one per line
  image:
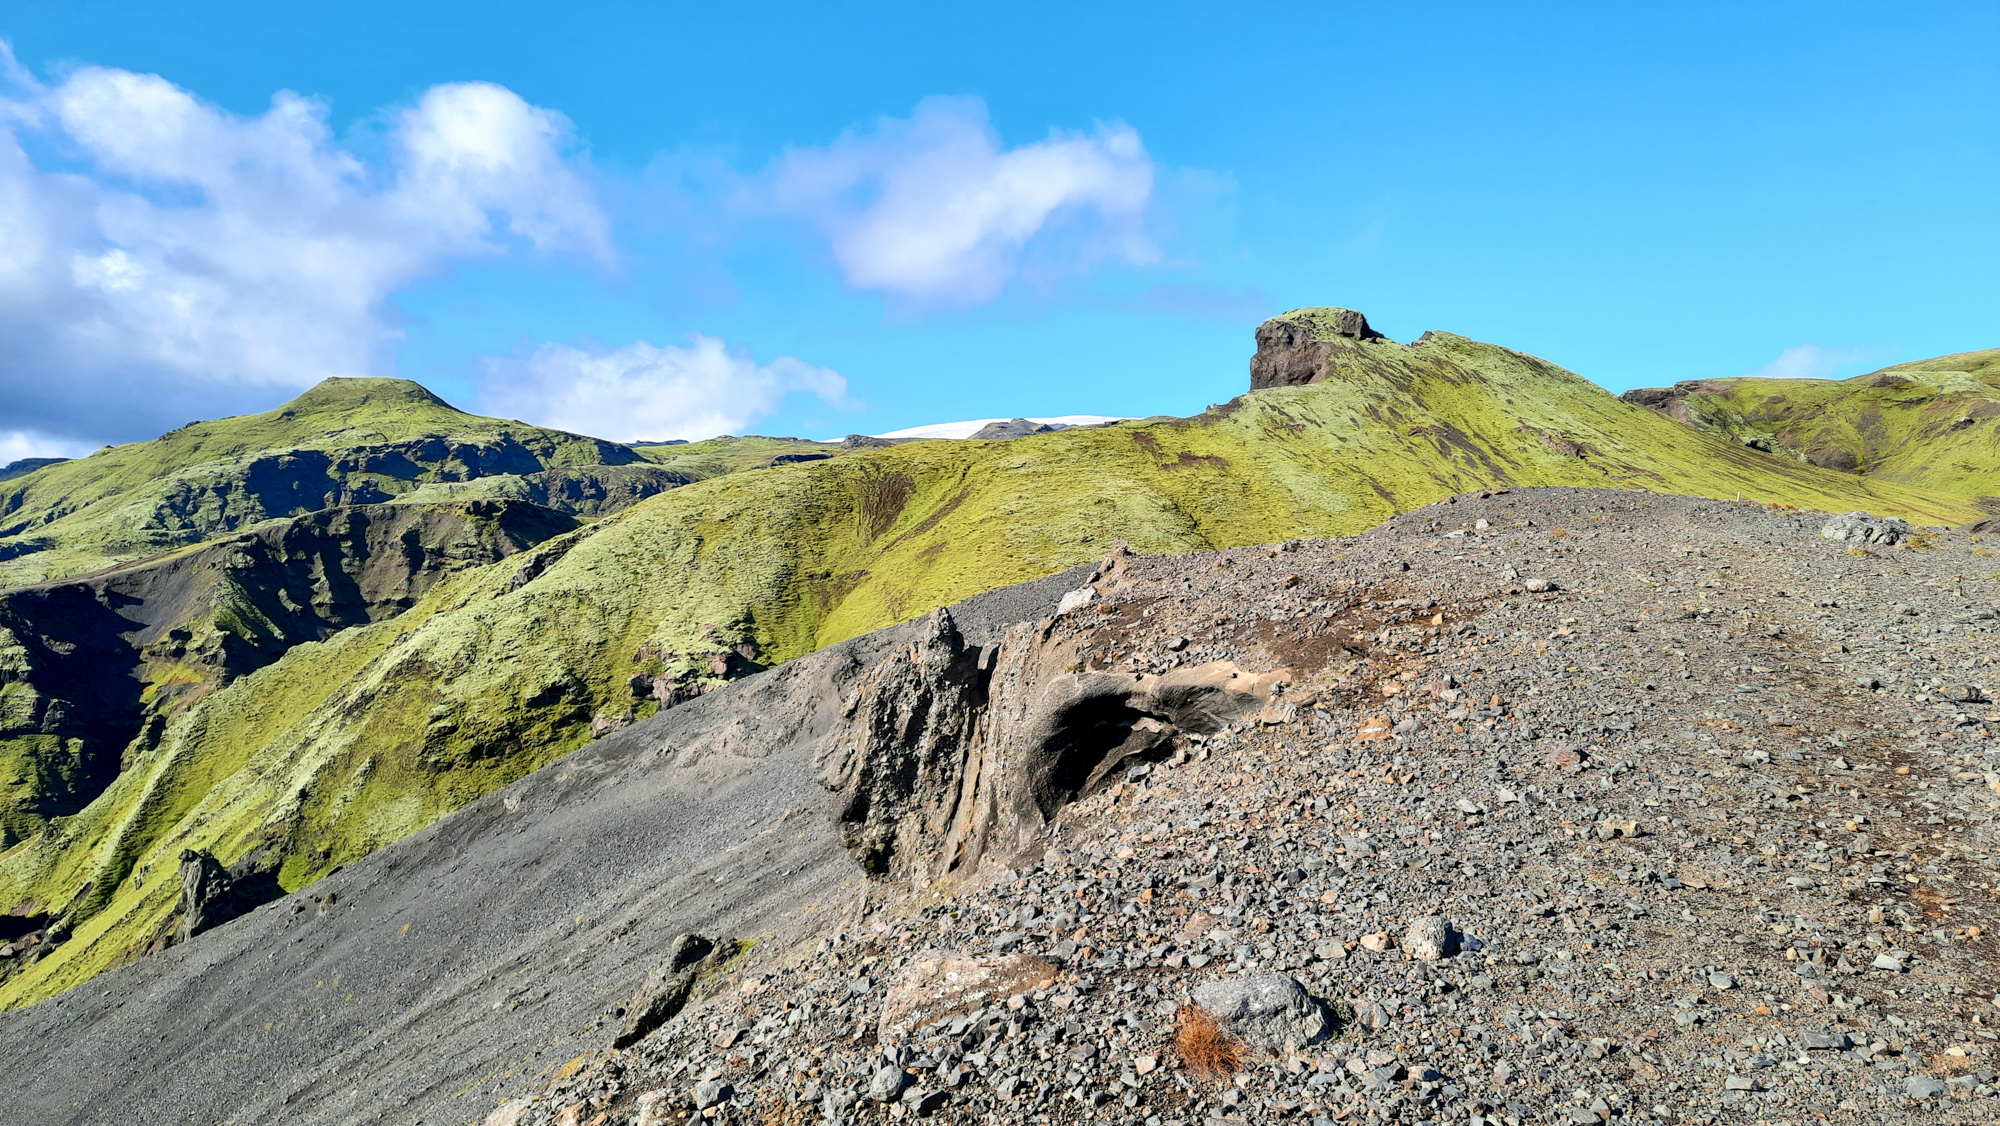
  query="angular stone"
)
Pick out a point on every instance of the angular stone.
point(712, 1092)
point(654, 1109)
point(664, 993)
point(1270, 1012)
point(943, 984)
point(510, 1113)
point(887, 1084)
point(1427, 938)
point(1923, 1087)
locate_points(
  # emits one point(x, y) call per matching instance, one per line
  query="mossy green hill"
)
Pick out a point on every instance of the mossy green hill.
point(345, 441)
point(1932, 424)
point(345, 744)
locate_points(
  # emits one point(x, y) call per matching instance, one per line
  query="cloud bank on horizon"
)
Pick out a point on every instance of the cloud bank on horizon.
point(163, 259)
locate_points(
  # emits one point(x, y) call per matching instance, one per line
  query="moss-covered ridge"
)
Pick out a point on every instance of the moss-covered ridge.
point(349, 743)
point(1932, 424)
point(344, 441)
point(91, 669)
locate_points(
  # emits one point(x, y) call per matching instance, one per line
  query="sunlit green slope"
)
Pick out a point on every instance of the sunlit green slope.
point(346, 744)
point(1934, 424)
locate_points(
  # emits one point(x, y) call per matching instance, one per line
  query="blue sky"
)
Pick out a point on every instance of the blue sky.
point(649, 220)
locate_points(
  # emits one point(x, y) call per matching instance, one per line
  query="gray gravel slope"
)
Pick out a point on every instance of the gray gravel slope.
point(413, 985)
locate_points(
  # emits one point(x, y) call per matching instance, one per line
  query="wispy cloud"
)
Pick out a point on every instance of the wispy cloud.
point(163, 259)
point(1809, 361)
point(647, 391)
point(934, 210)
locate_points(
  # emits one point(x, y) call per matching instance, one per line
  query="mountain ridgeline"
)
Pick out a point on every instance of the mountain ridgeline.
point(418, 666)
point(345, 441)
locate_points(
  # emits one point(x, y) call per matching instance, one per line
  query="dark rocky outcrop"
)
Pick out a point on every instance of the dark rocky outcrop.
point(667, 987)
point(212, 895)
point(599, 490)
point(945, 752)
point(1304, 346)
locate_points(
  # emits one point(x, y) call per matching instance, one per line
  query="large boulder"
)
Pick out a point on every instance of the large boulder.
point(211, 894)
point(1859, 527)
point(1269, 1013)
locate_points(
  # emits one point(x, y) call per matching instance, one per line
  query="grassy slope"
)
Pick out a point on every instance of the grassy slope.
point(344, 745)
point(1931, 423)
point(370, 439)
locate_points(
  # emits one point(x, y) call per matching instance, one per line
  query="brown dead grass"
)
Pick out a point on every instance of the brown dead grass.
point(1202, 1044)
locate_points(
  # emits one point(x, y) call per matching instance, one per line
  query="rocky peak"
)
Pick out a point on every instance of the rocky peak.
point(1296, 348)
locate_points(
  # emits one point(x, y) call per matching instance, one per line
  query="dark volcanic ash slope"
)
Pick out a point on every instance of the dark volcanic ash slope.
point(414, 983)
point(1642, 755)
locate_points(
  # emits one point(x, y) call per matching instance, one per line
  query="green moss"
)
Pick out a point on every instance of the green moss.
point(343, 441)
point(1930, 424)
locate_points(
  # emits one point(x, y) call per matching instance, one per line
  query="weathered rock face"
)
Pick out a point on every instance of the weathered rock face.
point(899, 759)
point(212, 895)
point(945, 752)
point(1303, 346)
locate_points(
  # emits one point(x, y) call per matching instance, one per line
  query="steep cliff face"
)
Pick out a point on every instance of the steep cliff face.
point(92, 669)
point(1929, 423)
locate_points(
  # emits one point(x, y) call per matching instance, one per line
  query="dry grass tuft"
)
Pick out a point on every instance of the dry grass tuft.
point(1203, 1046)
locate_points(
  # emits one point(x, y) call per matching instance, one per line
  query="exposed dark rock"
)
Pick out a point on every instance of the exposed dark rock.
point(81, 654)
point(1016, 428)
point(1300, 347)
point(666, 988)
point(212, 895)
point(599, 490)
point(944, 751)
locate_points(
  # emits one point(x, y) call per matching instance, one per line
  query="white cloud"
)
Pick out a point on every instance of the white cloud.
point(18, 444)
point(1808, 361)
point(162, 259)
point(934, 210)
point(647, 392)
